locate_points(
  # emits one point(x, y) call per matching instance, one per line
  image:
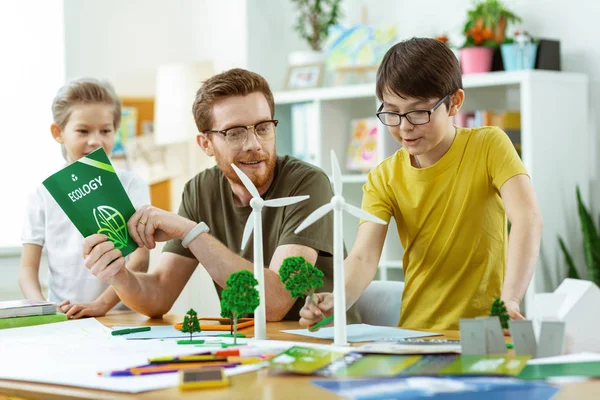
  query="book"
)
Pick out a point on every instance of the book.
point(25, 307)
point(444, 387)
point(363, 147)
point(91, 194)
point(358, 365)
point(18, 322)
point(333, 363)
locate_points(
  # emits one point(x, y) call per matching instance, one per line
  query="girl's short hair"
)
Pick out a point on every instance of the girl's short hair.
point(84, 91)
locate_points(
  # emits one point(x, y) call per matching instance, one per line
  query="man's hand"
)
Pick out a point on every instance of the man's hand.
point(150, 225)
point(101, 257)
point(76, 311)
point(312, 313)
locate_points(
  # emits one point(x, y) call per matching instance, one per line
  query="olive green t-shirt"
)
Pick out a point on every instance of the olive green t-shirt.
point(208, 197)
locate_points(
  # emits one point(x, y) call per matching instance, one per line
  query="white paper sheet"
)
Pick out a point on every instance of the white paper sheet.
point(73, 352)
point(566, 359)
point(363, 333)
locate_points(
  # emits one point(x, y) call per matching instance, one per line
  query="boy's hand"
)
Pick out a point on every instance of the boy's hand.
point(310, 314)
point(514, 312)
point(93, 309)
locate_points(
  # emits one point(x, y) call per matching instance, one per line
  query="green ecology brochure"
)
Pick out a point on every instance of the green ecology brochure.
point(91, 194)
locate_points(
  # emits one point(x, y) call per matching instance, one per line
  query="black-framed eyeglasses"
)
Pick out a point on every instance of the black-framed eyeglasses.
point(415, 117)
point(236, 136)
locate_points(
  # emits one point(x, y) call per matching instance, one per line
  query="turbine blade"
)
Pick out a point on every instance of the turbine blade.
point(362, 214)
point(248, 230)
point(314, 216)
point(337, 175)
point(246, 181)
point(285, 201)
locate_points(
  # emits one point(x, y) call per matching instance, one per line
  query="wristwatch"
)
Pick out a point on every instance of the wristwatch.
point(193, 233)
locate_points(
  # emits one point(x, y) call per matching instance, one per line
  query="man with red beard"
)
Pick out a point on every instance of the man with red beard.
point(234, 112)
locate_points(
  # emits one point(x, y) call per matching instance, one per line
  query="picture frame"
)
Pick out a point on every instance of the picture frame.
point(304, 76)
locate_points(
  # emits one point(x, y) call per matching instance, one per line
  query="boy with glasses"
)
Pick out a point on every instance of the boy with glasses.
point(234, 115)
point(450, 190)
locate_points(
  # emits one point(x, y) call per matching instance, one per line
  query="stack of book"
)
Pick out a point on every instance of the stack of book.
point(18, 313)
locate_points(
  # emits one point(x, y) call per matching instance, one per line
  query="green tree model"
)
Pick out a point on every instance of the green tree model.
point(190, 323)
point(300, 277)
point(499, 310)
point(240, 297)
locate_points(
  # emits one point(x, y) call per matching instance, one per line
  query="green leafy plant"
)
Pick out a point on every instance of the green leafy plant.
point(300, 277)
point(191, 323)
point(591, 245)
point(314, 19)
point(486, 23)
point(499, 310)
point(112, 224)
point(240, 297)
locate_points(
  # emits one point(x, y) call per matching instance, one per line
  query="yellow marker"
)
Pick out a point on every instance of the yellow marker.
point(183, 359)
point(243, 360)
point(204, 378)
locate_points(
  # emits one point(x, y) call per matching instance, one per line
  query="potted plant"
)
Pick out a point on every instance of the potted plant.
point(484, 31)
point(519, 52)
point(314, 19)
point(591, 245)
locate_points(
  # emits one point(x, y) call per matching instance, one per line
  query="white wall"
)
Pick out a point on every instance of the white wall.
point(572, 22)
point(125, 41)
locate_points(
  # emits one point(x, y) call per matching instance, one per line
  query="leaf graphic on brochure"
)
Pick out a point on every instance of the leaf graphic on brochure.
point(112, 224)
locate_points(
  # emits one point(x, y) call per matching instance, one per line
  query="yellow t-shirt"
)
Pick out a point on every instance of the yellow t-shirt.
point(451, 223)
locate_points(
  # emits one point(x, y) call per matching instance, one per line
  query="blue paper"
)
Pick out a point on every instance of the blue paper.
point(165, 332)
point(446, 388)
point(364, 333)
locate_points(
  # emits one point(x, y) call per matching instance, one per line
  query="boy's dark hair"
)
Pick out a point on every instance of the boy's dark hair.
point(422, 68)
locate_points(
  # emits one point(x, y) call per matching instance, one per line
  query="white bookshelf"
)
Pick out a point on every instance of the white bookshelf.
point(555, 145)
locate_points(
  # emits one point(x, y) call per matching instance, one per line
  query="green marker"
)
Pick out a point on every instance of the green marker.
point(193, 341)
point(321, 323)
point(130, 330)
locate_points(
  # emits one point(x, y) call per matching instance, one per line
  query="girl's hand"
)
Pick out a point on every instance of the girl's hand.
point(80, 310)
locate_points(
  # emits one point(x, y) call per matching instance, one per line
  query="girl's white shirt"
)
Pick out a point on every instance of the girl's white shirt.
point(48, 226)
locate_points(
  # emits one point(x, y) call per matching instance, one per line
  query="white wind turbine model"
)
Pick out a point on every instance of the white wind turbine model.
point(338, 205)
point(255, 222)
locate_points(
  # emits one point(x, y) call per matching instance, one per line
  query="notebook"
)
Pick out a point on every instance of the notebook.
point(24, 308)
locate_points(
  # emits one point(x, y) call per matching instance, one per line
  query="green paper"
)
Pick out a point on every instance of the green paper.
point(375, 365)
point(18, 322)
point(304, 360)
point(487, 365)
point(545, 371)
point(91, 194)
